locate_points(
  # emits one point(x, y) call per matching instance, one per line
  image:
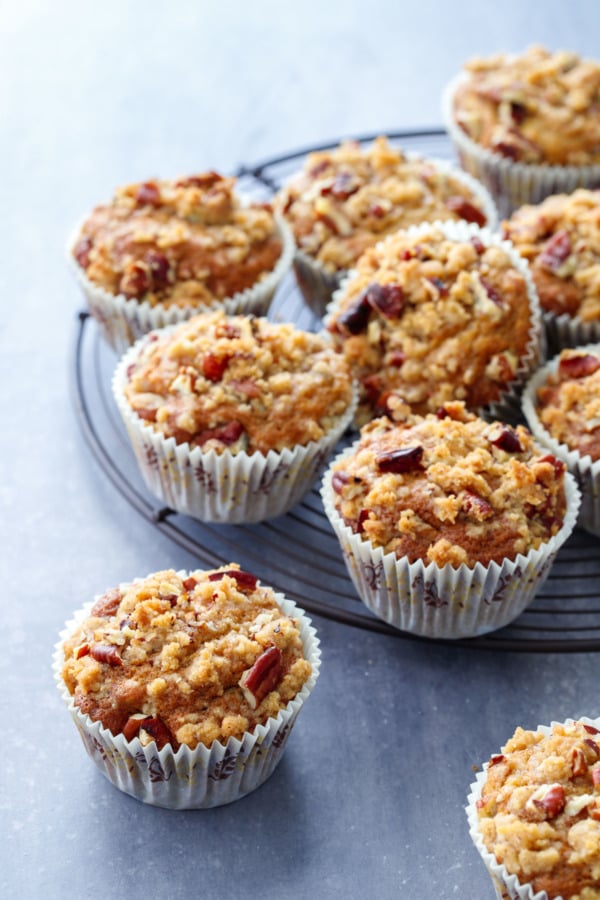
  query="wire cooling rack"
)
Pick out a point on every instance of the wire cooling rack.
point(298, 553)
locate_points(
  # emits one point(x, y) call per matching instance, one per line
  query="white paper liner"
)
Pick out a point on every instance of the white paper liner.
point(223, 487)
point(569, 331)
point(507, 885)
point(199, 778)
point(122, 321)
point(507, 406)
point(444, 603)
point(583, 468)
point(511, 184)
point(318, 285)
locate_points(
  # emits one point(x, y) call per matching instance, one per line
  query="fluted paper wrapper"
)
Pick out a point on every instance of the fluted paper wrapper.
point(122, 321)
point(223, 487)
point(444, 603)
point(318, 285)
point(569, 331)
point(583, 468)
point(199, 778)
point(507, 404)
point(507, 886)
point(511, 184)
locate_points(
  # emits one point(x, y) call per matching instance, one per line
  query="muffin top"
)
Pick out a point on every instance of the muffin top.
point(568, 404)
point(347, 199)
point(537, 107)
point(449, 488)
point(539, 812)
point(238, 383)
point(426, 318)
point(560, 238)
point(185, 659)
point(188, 242)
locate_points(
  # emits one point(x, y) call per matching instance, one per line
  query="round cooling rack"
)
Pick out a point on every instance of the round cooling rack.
point(298, 554)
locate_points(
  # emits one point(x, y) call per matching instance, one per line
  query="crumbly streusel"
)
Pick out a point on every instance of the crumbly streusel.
point(537, 107)
point(162, 658)
point(239, 382)
point(539, 813)
point(426, 319)
point(347, 199)
point(560, 238)
point(188, 242)
point(568, 404)
point(450, 488)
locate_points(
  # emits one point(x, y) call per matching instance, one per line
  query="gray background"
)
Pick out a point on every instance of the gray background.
point(368, 801)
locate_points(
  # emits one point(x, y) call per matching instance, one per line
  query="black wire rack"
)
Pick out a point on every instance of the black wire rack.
point(298, 553)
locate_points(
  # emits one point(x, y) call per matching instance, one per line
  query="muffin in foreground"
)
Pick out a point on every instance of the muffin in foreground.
point(448, 524)
point(534, 813)
point(440, 312)
point(347, 199)
point(527, 124)
point(562, 406)
point(164, 250)
point(232, 417)
point(560, 239)
point(185, 686)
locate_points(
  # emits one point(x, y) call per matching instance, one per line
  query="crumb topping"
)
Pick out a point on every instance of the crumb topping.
point(568, 404)
point(450, 488)
point(239, 383)
point(182, 243)
point(537, 107)
point(347, 199)
point(185, 660)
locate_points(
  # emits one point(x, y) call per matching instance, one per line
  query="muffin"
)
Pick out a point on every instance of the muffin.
point(527, 125)
point(185, 686)
point(448, 524)
point(437, 313)
point(562, 406)
point(164, 250)
point(534, 813)
point(560, 239)
point(348, 198)
point(232, 417)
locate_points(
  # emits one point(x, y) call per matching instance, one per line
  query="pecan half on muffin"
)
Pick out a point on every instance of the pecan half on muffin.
point(436, 313)
point(346, 199)
point(534, 812)
point(179, 682)
point(162, 250)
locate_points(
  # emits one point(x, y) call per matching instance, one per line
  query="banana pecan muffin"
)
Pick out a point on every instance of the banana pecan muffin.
point(535, 813)
point(231, 417)
point(434, 314)
point(184, 686)
point(164, 249)
point(346, 199)
point(560, 238)
point(448, 523)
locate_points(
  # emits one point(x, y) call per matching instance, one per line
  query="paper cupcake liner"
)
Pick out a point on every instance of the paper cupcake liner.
point(444, 603)
point(583, 468)
point(122, 321)
point(199, 778)
point(223, 487)
point(317, 285)
point(569, 331)
point(511, 184)
point(507, 405)
point(507, 885)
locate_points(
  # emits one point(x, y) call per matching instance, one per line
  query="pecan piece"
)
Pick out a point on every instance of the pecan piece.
point(491, 291)
point(476, 506)
point(107, 604)
point(464, 209)
point(578, 366)
point(338, 480)
point(342, 186)
point(440, 286)
point(147, 194)
point(258, 681)
point(135, 281)
point(386, 299)
point(152, 725)
point(354, 319)
point(578, 763)
point(189, 583)
point(556, 251)
point(227, 434)
point(498, 758)
point(82, 650)
point(245, 580)
point(549, 800)
point(213, 366)
point(590, 729)
point(507, 440)
point(160, 270)
point(81, 251)
point(406, 459)
point(106, 653)
point(204, 180)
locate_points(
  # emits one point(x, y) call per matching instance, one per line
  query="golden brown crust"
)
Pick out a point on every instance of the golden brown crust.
point(167, 662)
point(450, 488)
point(178, 243)
point(347, 199)
point(539, 812)
point(568, 404)
point(240, 383)
point(537, 107)
point(453, 322)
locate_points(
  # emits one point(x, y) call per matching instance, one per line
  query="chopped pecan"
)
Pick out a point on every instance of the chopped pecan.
point(338, 480)
point(189, 583)
point(204, 180)
point(160, 270)
point(491, 291)
point(557, 464)
point(226, 434)
point(355, 317)
point(343, 186)
point(578, 366)
point(247, 387)
point(107, 604)
point(82, 650)
point(106, 653)
point(498, 758)
point(507, 440)
point(405, 459)
point(245, 580)
point(578, 762)
point(152, 725)
point(136, 280)
point(440, 285)
point(591, 729)
point(362, 518)
point(263, 677)
point(465, 210)
point(386, 299)
point(81, 251)
point(549, 800)
point(476, 506)
point(213, 366)
point(556, 251)
point(147, 194)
